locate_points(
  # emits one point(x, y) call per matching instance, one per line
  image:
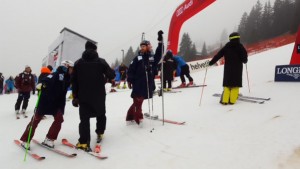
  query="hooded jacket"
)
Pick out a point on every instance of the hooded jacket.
point(90, 73)
point(235, 55)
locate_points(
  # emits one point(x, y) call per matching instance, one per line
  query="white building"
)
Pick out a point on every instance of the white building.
point(68, 46)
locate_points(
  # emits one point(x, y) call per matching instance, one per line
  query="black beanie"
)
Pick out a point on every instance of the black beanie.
point(234, 35)
point(90, 45)
point(169, 54)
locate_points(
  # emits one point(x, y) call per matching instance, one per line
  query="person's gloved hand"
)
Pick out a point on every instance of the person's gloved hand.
point(210, 63)
point(75, 102)
point(129, 85)
point(160, 37)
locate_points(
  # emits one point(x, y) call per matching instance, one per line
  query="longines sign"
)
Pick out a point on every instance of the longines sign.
point(288, 73)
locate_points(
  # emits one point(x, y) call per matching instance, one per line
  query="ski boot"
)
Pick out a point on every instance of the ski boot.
point(17, 114)
point(84, 147)
point(191, 83)
point(48, 142)
point(25, 145)
point(182, 85)
point(124, 86)
point(99, 138)
point(24, 113)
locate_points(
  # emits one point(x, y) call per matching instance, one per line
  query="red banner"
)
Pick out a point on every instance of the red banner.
point(295, 60)
point(183, 12)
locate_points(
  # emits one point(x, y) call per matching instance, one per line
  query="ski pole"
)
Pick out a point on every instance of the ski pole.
point(31, 123)
point(247, 78)
point(203, 86)
point(148, 93)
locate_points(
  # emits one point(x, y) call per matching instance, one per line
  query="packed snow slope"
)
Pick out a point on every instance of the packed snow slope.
point(240, 136)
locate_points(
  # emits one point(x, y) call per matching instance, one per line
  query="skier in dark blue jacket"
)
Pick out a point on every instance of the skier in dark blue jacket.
point(140, 77)
point(52, 101)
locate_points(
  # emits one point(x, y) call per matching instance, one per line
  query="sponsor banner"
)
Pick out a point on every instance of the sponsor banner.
point(287, 73)
point(198, 65)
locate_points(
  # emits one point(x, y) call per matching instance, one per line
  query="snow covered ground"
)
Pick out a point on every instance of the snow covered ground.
point(240, 136)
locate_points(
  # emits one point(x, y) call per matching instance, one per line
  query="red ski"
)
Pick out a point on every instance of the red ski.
point(179, 87)
point(35, 156)
point(146, 115)
point(55, 150)
point(97, 155)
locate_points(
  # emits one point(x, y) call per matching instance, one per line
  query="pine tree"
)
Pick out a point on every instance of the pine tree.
point(185, 47)
point(242, 29)
point(129, 56)
point(266, 21)
point(295, 17)
point(204, 50)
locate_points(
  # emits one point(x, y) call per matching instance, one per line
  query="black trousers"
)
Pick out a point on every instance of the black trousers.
point(22, 96)
point(169, 83)
point(185, 70)
point(84, 125)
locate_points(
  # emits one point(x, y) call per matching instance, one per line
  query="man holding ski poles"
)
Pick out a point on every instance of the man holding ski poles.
point(140, 77)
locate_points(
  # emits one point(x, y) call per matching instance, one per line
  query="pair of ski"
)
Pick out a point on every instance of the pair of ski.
point(147, 116)
point(190, 86)
point(64, 142)
point(249, 99)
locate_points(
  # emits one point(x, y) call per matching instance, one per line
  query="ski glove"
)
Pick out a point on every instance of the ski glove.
point(210, 63)
point(129, 85)
point(160, 37)
point(75, 102)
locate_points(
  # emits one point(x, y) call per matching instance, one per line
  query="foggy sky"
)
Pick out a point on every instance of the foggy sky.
point(29, 27)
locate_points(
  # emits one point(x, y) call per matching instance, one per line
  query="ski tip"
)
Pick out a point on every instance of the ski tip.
point(64, 140)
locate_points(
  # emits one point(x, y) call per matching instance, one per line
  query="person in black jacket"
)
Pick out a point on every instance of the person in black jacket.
point(169, 66)
point(88, 87)
point(1, 83)
point(235, 55)
point(140, 77)
point(52, 101)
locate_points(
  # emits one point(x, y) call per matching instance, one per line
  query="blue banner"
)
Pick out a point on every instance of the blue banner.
point(287, 73)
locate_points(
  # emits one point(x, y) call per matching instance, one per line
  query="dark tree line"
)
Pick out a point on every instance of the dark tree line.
point(267, 21)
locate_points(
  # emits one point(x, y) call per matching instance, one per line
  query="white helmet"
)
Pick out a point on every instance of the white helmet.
point(67, 63)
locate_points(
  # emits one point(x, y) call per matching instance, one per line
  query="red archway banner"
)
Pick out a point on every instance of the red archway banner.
point(182, 13)
point(295, 60)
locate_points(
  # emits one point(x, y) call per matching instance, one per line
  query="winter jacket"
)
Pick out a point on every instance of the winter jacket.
point(1, 81)
point(25, 82)
point(169, 67)
point(10, 84)
point(235, 55)
point(90, 73)
point(53, 92)
point(136, 74)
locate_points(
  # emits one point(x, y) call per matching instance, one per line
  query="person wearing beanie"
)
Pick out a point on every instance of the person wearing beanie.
point(90, 46)
point(235, 55)
point(50, 68)
point(24, 83)
point(140, 78)
point(89, 77)
point(169, 66)
point(52, 100)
